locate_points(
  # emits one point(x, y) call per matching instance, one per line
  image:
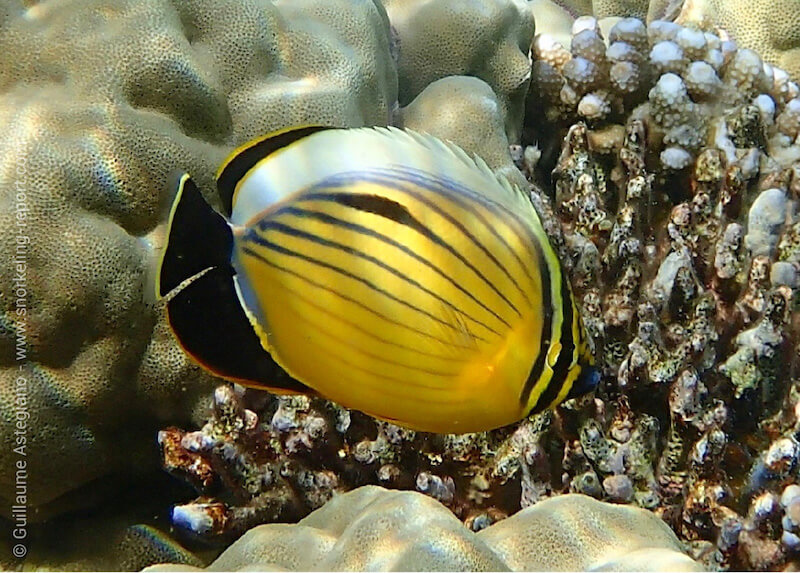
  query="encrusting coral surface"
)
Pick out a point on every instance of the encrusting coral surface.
point(663, 159)
point(666, 171)
point(375, 529)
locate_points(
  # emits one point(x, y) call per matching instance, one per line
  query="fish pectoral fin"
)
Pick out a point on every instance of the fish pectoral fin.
point(457, 330)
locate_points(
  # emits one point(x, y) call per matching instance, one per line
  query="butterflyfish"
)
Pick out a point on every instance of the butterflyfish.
point(383, 269)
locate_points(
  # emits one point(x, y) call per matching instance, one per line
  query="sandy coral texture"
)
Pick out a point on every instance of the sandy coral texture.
point(100, 102)
point(488, 40)
point(769, 27)
point(375, 529)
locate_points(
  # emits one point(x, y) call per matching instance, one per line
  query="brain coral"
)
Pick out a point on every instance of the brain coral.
point(486, 39)
point(100, 101)
point(605, 8)
point(375, 529)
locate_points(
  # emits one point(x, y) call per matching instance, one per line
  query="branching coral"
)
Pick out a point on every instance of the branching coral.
point(674, 212)
point(695, 299)
point(767, 27)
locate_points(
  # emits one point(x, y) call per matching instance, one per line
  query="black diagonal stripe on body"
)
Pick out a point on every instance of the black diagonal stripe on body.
point(362, 306)
point(368, 232)
point(369, 284)
point(347, 179)
point(277, 226)
point(565, 357)
point(460, 193)
point(404, 217)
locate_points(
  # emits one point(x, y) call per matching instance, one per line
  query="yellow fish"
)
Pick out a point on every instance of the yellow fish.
point(383, 269)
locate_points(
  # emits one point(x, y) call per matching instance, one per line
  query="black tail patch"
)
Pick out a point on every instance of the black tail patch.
point(206, 314)
point(197, 238)
point(212, 327)
point(245, 158)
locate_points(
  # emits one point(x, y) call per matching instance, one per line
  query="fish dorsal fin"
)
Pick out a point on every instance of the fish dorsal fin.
point(247, 156)
point(332, 153)
point(472, 161)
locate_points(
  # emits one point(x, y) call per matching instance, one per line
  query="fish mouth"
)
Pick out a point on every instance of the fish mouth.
point(587, 381)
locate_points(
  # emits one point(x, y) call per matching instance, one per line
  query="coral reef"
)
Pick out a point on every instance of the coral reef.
point(375, 529)
point(552, 19)
point(440, 108)
point(487, 39)
point(606, 8)
point(665, 164)
point(101, 103)
point(767, 27)
point(126, 535)
point(576, 532)
point(678, 210)
point(771, 28)
point(667, 174)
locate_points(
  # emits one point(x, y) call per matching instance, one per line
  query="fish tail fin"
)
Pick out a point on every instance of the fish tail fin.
point(197, 283)
point(198, 238)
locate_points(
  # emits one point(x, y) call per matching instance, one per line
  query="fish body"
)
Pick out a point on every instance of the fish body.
point(383, 269)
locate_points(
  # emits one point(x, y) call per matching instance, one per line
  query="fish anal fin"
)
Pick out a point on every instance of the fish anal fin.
point(213, 328)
